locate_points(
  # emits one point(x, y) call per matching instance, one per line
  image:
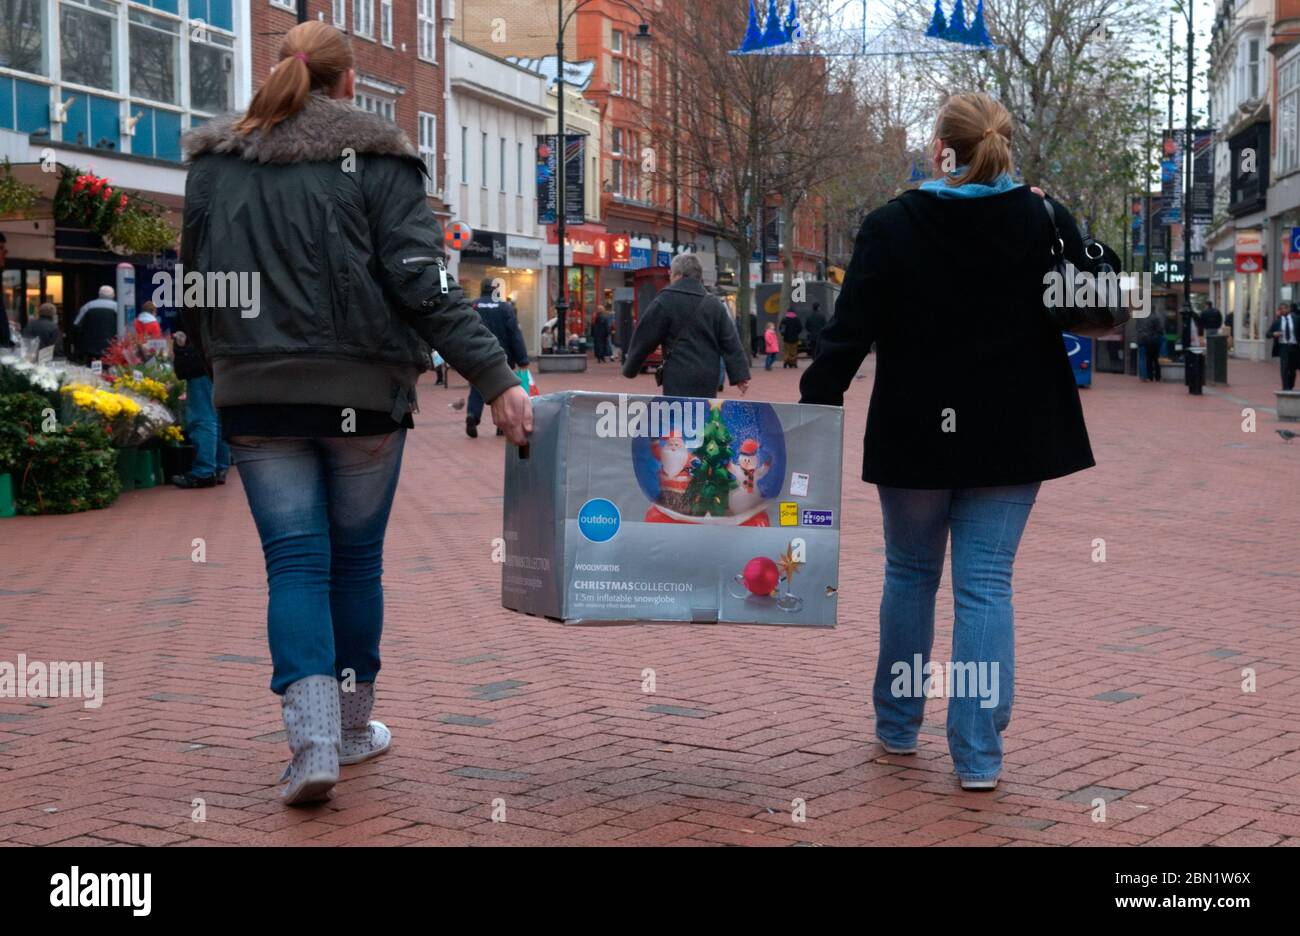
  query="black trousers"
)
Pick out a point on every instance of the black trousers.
point(1289, 359)
point(1151, 351)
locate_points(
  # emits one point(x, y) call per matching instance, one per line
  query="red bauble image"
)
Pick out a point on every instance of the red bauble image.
point(761, 576)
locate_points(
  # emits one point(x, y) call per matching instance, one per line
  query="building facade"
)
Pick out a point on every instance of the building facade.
point(398, 47)
point(496, 111)
point(107, 86)
point(1241, 104)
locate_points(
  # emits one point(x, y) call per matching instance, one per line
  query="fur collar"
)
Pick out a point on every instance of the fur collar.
point(322, 130)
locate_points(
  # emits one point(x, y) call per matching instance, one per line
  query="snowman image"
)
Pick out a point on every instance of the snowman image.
point(674, 470)
point(747, 472)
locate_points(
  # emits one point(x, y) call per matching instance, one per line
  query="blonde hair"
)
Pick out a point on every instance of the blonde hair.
point(313, 55)
point(978, 131)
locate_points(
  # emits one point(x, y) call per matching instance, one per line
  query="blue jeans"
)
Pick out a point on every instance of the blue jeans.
point(212, 454)
point(321, 507)
point(986, 524)
point(771, 356)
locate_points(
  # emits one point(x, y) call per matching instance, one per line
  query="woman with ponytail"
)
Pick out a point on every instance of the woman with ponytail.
point(318, 212)
point(974, 406)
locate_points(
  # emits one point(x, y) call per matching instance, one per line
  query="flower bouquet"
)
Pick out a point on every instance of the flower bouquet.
point(70, 468)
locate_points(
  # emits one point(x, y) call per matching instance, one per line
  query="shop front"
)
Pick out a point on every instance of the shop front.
point(1251, 312)
point(589, 244)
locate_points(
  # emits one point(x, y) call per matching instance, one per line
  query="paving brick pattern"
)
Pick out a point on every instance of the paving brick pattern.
point(1130, 671)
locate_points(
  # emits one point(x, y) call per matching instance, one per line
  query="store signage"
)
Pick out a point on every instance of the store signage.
point(620, 248)
point(575, 181)
point(1250, 252)
point(485, 247)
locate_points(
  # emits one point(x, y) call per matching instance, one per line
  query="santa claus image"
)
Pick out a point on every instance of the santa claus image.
point(674, 469)
point(747, 472)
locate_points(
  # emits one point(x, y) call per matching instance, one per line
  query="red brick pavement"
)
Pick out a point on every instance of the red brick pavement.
point(1130, 671)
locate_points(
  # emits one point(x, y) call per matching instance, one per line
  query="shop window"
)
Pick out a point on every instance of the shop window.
point(157, 133)
point(92, 121)
point(169, 6)
point(212, 71)
point(88, 43)
point(155, 51)
point(24, 105)
point(22, 36)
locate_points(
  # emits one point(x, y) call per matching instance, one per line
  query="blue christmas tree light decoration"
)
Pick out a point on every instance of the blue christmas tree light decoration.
point(938, 25)
point(773, 34)
point(978, 35)
point(753, 41)
point(793, 30)
point(956, 31)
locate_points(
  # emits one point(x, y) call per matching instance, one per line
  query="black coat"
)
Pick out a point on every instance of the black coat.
point(46, 331)
point(96, 332)
point(695, 332)
point(502, 320)
point(950, 291)
point(791, 328)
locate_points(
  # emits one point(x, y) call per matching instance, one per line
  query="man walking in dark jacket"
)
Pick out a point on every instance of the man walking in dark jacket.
point(695, 332)
point(502, 320)
point(95, 326)
point(816, 322)
point(1150, 333)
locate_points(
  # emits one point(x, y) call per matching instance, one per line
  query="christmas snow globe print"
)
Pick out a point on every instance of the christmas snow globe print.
point(720, 464)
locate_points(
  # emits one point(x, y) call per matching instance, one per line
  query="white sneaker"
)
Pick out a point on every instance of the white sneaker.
point(361, 737)
point(980, 784)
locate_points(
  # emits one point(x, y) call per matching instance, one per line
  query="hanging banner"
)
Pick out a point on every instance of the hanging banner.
point(1171, 176)
point(1202, 176)
point(575, 178)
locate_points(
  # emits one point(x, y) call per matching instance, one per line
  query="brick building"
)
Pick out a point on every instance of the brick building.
point(400, 58)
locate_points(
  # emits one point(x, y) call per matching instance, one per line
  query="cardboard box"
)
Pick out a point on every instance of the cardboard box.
point(640, 508)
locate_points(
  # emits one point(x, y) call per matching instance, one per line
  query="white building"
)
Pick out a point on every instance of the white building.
point(1242, 283)
point(495, 112)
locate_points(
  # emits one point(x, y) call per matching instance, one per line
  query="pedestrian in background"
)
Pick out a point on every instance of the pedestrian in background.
point(1286, 332)
point(202, 422)
point(771, 344)
point(1150, 333)
point(44, 329)
point(95, 326)
point(791, 329)
point(501, 319)
point(694, 330)
point(948, 454)
point(600, 335)
point(316, 392)
point(146, 323)
point(816, 322)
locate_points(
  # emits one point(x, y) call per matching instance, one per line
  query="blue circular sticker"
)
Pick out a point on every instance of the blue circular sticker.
point(598, 520)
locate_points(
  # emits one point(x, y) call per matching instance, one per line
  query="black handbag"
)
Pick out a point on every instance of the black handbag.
point(1090, 320)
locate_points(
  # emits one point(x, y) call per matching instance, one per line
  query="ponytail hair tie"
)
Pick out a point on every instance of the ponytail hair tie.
point(302, 57)
point(988, 131)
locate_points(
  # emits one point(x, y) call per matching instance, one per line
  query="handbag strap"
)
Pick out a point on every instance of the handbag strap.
point(1058, 248)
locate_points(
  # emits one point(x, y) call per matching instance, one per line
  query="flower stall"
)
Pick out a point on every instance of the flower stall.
point(72, 438)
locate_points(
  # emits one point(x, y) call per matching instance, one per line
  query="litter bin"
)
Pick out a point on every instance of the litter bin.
point(1216, 354)
point(1194, 376)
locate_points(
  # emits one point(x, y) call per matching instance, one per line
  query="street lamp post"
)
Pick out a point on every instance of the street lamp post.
point(1191, 373)
point(562, 286)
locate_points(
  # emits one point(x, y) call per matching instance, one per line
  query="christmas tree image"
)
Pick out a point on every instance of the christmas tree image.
point(709, 492)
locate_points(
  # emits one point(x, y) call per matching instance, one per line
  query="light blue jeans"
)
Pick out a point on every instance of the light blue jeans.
point(211, 453)
point(321, 507)
point(986, 525)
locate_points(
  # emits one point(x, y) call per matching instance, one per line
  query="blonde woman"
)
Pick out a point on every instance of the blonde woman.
point(325, 205)
point(974, 406)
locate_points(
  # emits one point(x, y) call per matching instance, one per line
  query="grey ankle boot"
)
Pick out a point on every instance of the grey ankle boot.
point(362, 738)
point(311, 721)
